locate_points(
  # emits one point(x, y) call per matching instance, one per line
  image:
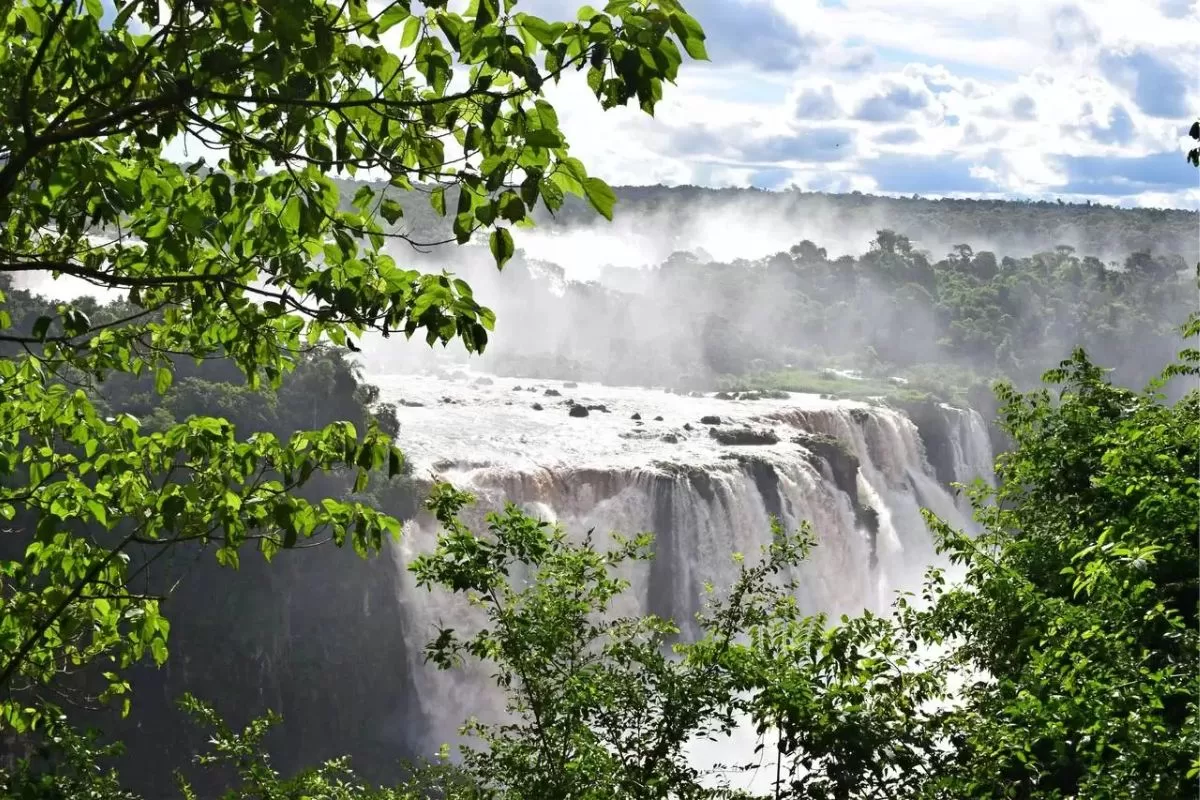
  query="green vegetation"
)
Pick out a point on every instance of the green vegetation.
point(205, 412)
point(251, 260)
point(1064, 664)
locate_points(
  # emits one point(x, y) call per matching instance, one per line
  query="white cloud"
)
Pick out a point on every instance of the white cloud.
point(1014, 98)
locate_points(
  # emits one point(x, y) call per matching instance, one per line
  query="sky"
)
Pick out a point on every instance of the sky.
point(1086, 100)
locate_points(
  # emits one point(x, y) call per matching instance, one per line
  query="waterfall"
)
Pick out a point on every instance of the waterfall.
point(860, 485)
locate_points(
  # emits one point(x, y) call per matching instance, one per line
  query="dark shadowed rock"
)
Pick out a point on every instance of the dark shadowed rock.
point(636, 416)
point(537, 406)
point(743, 436)
point(658, 419)
point(687, 426)
point(517, 389)
point(411, 404)
point(603, 409)
point(670, 438)
point(552, 393)
point(710, 420)
point(578, 411)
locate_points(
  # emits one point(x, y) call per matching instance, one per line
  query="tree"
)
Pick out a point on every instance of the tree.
point(252, 258)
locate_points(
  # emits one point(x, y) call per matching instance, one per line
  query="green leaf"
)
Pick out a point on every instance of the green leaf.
point(162, 380)
point(437, 199)
point(501, 244)
point(396, 13)
point(412, 27)
point(543, 137)
point(690, 35)
point(600, 196)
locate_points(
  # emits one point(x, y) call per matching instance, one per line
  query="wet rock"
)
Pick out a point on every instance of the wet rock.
point(537, 406)
point(710, 420)
point(743, 436)
point(687, 426)
point(860, 415)
point(658, 419)
point(578, 411)
point(411, 404)
point(517, 389)
point(842, 463)
point(552, 393)
point(636, 416)
point(670, 438)
point(603, 409)
point(725, 396)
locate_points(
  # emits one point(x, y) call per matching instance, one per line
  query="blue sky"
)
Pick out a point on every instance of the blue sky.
point(1003, 98)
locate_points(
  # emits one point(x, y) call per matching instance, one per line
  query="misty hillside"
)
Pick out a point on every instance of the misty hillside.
point(651, 222)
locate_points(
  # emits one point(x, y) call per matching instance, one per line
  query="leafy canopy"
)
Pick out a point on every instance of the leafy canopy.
point(253, 258)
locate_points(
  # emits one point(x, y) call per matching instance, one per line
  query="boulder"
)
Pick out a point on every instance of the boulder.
point(603, 409)
point(743, 436)
point(687, 426)
point(670, 438)
point(658, 419)
point(552, 393)
point(537, 406)
point(636, 416)
point(710, 420)
point(578, 411)
point(517, 388)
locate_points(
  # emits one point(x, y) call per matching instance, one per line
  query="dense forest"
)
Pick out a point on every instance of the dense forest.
point(800, 320)
point(201, 497)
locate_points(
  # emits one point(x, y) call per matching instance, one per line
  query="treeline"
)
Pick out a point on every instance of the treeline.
point(942, 322)
point(1010, 227)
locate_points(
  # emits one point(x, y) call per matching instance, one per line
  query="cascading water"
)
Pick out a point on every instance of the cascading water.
point(641, 460)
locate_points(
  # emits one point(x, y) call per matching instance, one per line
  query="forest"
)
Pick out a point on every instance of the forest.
point(203, 497)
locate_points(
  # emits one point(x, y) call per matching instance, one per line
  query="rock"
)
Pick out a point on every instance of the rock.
point(710, 420)
point(484, 381)
point(517, 389)
point(842, 463)
point(687, 426)
point(658, 419)
point(570, 385)
point(725, 396)
point(670, 438)
point(552, 393)
point(578, 411)
point(411, 404)
point(603, 409)
point(743, 436)
point(636, 416)
point(537, 406)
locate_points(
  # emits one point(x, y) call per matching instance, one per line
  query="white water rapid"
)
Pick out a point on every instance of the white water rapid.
point(702, 499)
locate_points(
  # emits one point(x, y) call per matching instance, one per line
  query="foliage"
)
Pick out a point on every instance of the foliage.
point(600, 705)
point(250, 259)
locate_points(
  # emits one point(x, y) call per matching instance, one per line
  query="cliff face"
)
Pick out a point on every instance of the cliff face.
point(315, 636)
